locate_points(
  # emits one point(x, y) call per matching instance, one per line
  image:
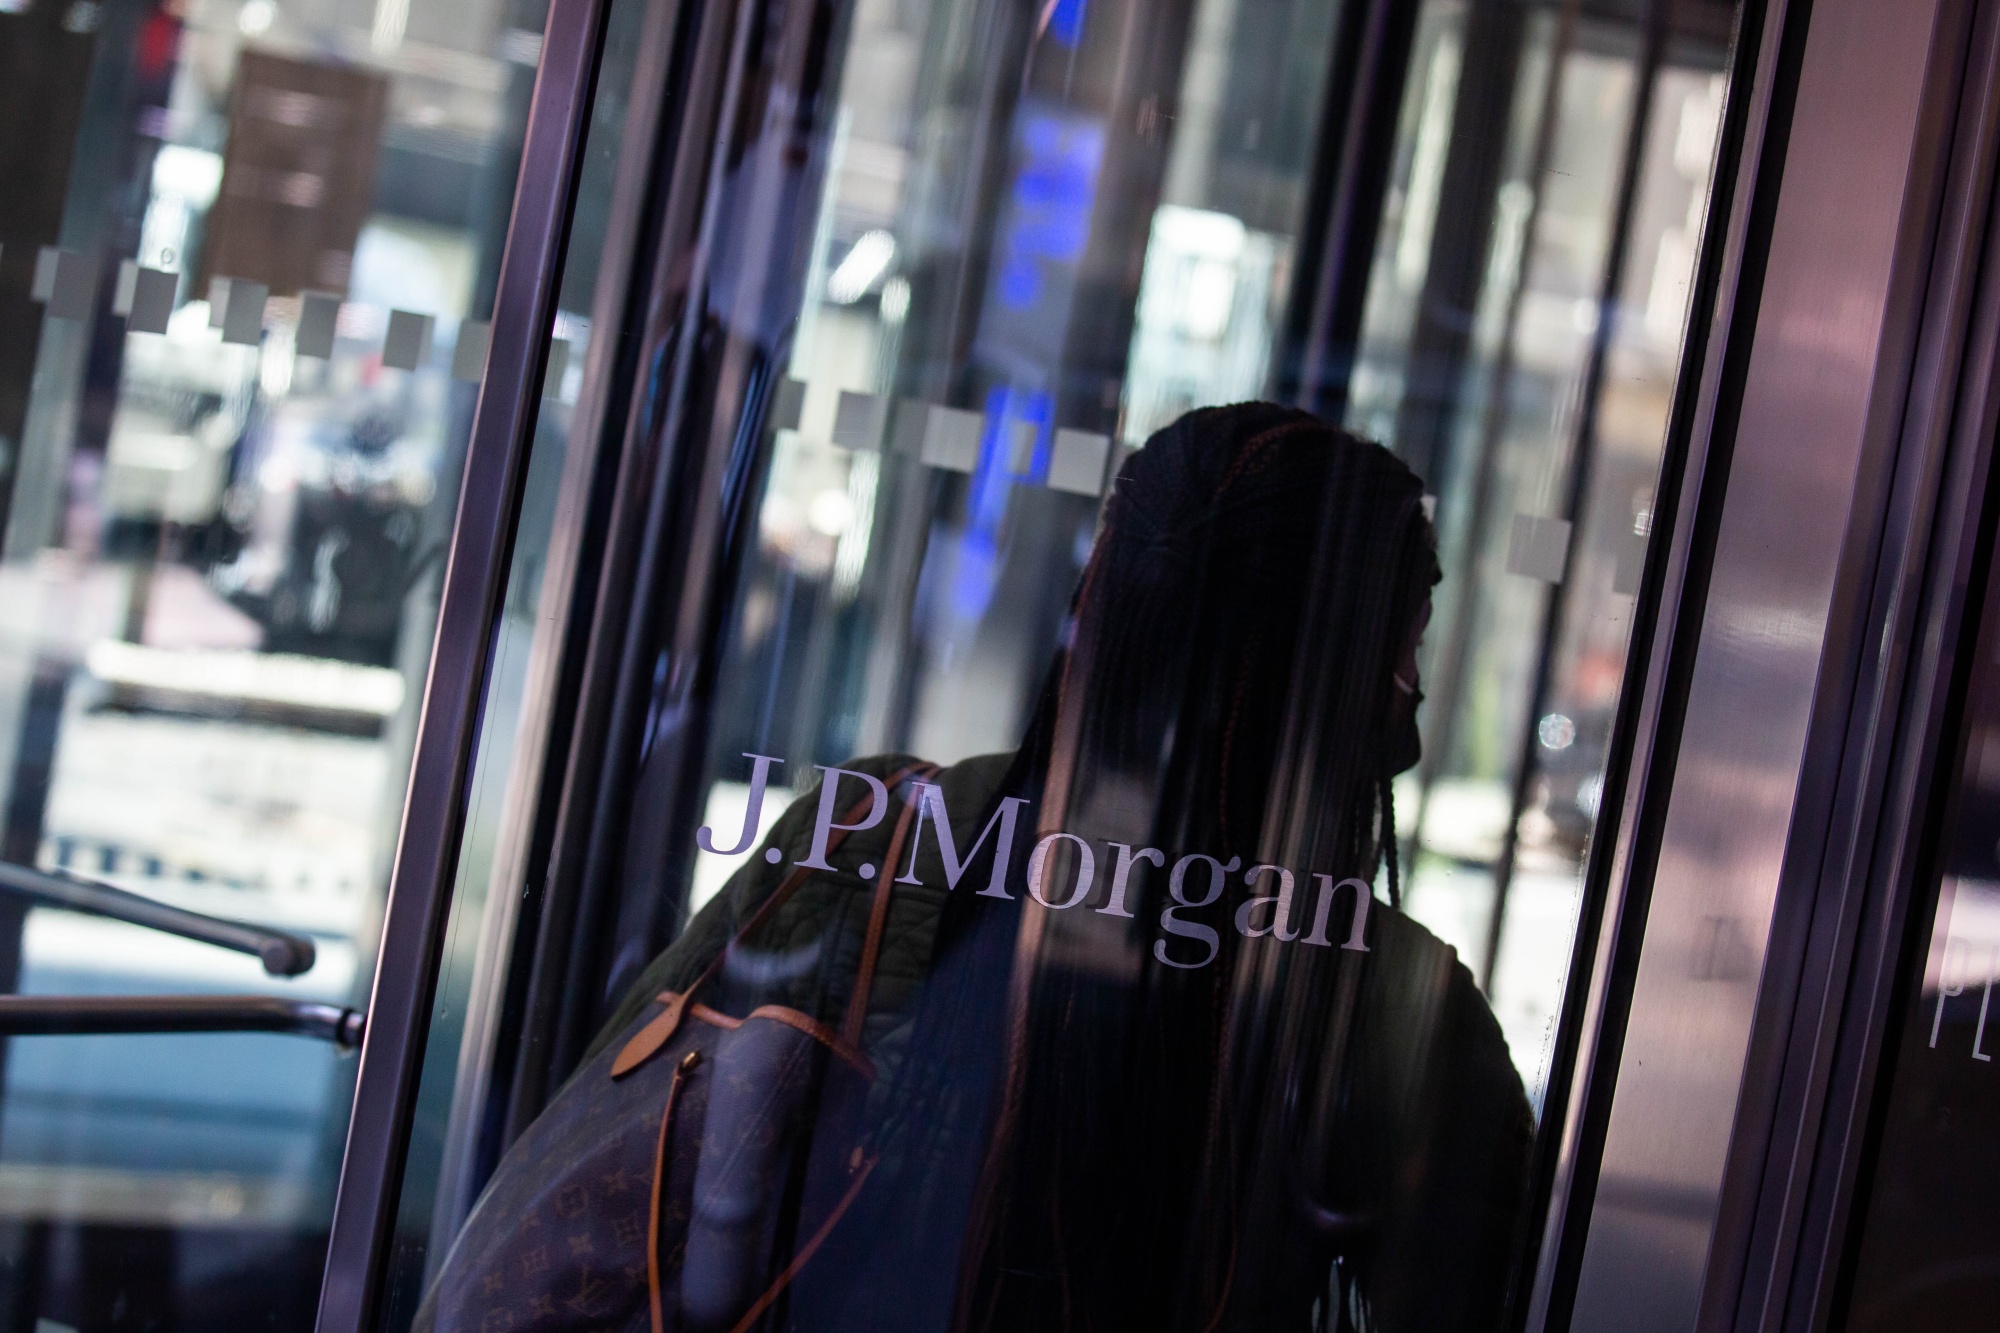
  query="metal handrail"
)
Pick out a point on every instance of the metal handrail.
point(282, 953)
point(73, 1015)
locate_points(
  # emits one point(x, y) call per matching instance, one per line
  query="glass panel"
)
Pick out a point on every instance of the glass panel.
point(462, 1082)
point(247, 254)
point(1930, 1226)
point(1539, 422)
point(1167, 958)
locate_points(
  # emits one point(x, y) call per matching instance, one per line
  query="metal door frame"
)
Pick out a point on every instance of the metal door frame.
point(427, 846)
point(1817, 567)
point(1841, 949)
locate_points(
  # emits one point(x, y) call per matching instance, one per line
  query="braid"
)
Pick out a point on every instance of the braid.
point(1387, 787)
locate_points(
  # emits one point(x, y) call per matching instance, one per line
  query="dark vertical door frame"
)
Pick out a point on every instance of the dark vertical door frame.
point(1640, 762)
point(1812, 503)
point(1581, 450)
point(538, 984)
point(579, 884)
point(1356, 150)
point(1490, 52)
point(1459, 620)
point(454, 695)
point(1841, 947)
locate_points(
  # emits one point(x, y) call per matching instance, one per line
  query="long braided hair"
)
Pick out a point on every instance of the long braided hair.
point(1229, 689)
point(1235, 638)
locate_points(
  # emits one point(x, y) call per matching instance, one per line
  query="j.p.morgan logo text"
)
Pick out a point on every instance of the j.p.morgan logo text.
point(1195, 882)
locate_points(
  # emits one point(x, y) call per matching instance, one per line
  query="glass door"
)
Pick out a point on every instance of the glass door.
point(982, 817)
point(247, 264)
point(1925, 1245)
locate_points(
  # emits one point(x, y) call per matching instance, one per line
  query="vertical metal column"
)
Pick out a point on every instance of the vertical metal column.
point(1370, 63)
point(1801, 402)
point(1582, 454)
point(434, 812)
point(1611, 912)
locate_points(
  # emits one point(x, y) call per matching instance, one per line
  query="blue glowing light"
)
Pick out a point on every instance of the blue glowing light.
point(1066, 22)
point(1054, 189)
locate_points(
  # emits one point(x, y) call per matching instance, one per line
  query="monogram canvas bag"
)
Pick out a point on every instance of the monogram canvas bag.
point(688, 1173)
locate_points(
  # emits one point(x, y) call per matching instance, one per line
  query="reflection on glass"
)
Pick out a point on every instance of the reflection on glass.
point(459, 1079)
point(247, 252)
point(991, 262)
point(1125, 1039)
point(1930, 1221)
point(1529, 381)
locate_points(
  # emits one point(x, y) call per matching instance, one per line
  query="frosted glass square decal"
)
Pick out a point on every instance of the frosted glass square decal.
point(1021, 437)
point(408, 340)
point(858, 420)
point(44, 285)
point(788, 404)
point(1538, 548)
point(66, 281)
point(243, 317)
point(319, 314)
point(906, 432)
point(128, 281)
point(951, 438)
point(1121, 454)
point(1076, 464)
point(552, 379)
point(1631, 564)
point(76, 287)
point(152, 304)
point(468, 355)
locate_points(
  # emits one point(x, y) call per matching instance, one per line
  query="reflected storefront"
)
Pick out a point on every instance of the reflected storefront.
point(247, 262)
point(984, 665)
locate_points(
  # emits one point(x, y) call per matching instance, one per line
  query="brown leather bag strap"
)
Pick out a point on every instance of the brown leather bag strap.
point(653, 1210)
point(807, 1250)
point(878, 920)
point(647, 1041)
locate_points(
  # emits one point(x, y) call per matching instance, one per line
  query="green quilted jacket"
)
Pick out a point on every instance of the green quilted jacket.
point(1440, 1130)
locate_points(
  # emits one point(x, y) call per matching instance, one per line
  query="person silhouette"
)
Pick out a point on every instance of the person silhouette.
point(1143, 1048)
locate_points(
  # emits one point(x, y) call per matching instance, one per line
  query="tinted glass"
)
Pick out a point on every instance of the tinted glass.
point(1074, 844)
point(247, 254)
point(1929, 1249)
